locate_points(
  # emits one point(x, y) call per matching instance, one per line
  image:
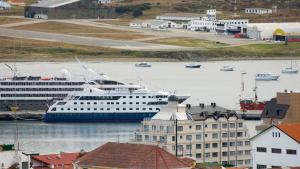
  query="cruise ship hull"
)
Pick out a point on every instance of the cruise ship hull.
point(97, 117)
point(25, 105)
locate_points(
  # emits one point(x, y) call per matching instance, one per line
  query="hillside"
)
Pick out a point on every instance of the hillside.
point(287, 10)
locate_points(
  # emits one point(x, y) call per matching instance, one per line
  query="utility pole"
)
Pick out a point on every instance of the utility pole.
point(176, 141)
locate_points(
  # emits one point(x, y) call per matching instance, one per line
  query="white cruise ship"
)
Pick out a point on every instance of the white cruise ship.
point(37, 93)
point(94, 104)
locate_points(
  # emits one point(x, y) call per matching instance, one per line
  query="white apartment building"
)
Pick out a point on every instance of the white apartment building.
point(277, 147)
point(258, 10)
point(205, 133)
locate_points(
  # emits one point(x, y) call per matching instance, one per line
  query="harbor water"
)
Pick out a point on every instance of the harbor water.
point(205, 85)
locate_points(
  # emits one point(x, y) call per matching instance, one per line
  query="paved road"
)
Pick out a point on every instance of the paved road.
point(90, 41)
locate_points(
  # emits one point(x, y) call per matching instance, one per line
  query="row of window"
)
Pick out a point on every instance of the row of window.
point(102, 109)
point(41, 83)
point(276, 150)
point(215, 126)
point(34, 95)
point(216, 135)
point(108, 103)
point(41, 89)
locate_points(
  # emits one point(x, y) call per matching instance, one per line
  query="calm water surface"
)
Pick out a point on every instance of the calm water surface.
point(205, 85)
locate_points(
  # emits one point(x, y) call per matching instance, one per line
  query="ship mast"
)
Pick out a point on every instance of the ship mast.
point(255, 92)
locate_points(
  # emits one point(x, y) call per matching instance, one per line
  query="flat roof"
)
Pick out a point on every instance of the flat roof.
point(53, 3)
point(182, 15)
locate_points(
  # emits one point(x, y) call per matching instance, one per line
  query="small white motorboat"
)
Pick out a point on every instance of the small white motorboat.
point(266, 76)
point(292, 69)
point(142, 64)
point(227, 68)
point(193, 65)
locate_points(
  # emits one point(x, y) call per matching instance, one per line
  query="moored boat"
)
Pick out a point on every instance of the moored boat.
point(143, 64)
point(293, 69)
point(193, 65)
point(266, 77)
point(227, 68)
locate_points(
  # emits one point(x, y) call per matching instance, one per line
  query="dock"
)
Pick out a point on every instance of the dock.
point(22, 115)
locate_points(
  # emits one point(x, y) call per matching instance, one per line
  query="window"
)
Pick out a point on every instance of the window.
point(247, 152)
point(179, 128)
point(224, 126)
point(215, 135)
point(232, 144)
point(247, 143)
point(289, 151)
point(225, 154)
point(232, 134)
point(214, 126)
point(239, 134)
point(232, 153)
point(240, 153)
point(153, 127)
point(215, 154)
point(207, 155)
point(232, 125)
point(240, 143)
point(95, 102)
point(154, 138)
point(247, 161)
point(75, 102)
point(214, 145)
point(198, 146)
point(189, 137)
point(240, 162)
point(198, 155)
point(224, 135)
point(224, 144)
point(198, 136)
point(173, 138)
point(258, 166)
point(188, 147)
point(240, 124)
point(276, 150)
point(207, 145)
point(198, 127)
point(261, 149)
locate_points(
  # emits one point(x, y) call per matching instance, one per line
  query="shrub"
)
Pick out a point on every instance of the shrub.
point(137, 13)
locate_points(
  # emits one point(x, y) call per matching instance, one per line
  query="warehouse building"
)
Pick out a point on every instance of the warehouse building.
point(69, 9)
point(153, 24)
point(274, 31)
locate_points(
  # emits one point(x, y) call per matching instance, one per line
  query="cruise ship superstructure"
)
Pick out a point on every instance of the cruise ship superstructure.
point(94, 104)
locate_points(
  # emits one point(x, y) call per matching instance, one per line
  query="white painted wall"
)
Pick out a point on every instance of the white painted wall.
point(284, 142)
point(8, 158)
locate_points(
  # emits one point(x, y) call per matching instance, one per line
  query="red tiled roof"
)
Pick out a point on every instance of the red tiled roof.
point(134, 156)
point(57, 160)
point(292, 129)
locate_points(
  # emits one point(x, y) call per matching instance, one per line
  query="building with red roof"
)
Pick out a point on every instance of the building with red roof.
point(133, 156)
point(277, 147)
point(54, 161)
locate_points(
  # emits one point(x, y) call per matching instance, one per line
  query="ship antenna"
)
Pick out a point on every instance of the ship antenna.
point(242, 85)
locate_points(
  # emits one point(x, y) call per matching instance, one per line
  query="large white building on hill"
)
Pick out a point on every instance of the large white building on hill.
point(277, 147)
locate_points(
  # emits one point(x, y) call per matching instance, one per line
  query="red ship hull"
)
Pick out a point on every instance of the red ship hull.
point(251, 105)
